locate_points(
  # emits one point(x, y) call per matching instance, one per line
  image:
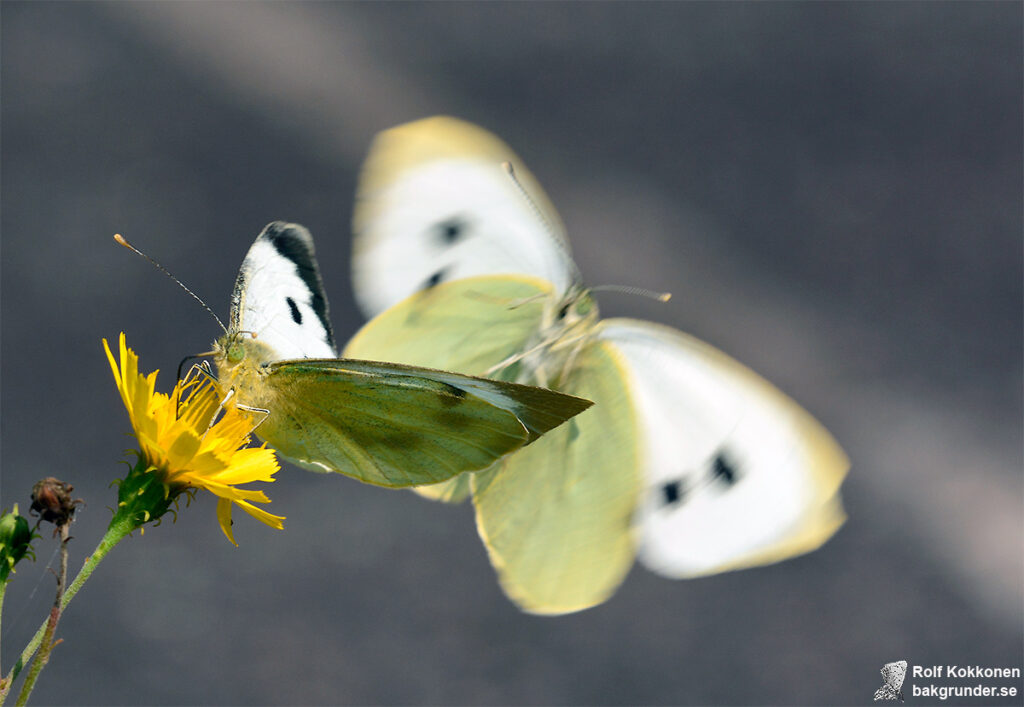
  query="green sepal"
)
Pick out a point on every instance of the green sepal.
point(144, 495)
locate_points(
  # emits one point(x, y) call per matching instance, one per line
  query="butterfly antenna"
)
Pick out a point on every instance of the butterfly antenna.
point(557, 239)
point(121, 239)
point(660, 296)
point(511, 172)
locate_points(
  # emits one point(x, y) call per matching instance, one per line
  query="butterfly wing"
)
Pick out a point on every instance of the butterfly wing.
point(468, 325)
point(735, 473)
point(434, 204)
point(279, 295)
point(556, 516)
point(395, 425)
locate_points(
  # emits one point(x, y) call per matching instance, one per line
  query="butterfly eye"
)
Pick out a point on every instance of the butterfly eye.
point(579, 305)
point(236, 352)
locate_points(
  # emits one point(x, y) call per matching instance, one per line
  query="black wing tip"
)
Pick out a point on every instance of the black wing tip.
point(285, 230)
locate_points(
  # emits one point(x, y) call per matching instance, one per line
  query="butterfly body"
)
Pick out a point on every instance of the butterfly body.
point(688, 460)
point(382, 423)
point(565, 328)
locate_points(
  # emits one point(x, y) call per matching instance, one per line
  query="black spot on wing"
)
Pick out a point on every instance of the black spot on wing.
point(672, 493)
point(296, 314)
point(450, 230)
point(723, 469)
point(294, 243)
point(720, 470)
point(435, 279)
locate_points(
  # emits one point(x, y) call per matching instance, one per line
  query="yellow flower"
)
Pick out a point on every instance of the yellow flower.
point(182, 450)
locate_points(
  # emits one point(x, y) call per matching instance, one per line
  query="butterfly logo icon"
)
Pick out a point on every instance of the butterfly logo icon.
point(893, 674)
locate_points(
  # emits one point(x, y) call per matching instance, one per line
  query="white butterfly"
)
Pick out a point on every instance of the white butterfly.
point(688, 459)
point(382, 423)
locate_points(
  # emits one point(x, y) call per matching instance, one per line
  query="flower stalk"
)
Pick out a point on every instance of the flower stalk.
point(188, 440)
point(48, 643)
point(118, 530)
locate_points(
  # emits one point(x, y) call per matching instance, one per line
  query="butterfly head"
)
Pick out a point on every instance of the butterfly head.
point(240, 349)
point(575, 310)
point(566, 327)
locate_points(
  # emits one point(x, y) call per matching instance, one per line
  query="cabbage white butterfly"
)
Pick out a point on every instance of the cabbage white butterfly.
point(688, 459)
point(382, 423)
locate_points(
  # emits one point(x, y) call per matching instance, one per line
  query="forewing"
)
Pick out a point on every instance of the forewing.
point(435, 204)
point(735, 473)
point(394, 425)
point(556, 517)
point(279, 296)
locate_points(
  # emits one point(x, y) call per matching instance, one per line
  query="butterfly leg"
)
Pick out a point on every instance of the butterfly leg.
point(508, 361)
point(263, 412)
point(204, 372)
point(195, 375)
point(201, 369)
point(247, 408)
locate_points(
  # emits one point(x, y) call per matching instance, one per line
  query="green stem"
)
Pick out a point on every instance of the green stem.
point(48, 644)
point(120, 527)
point(42, 658)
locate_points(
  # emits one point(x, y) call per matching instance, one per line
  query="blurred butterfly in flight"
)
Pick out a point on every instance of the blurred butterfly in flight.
point(687, 459)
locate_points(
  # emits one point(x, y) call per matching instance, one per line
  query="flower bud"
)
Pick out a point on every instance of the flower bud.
point(15, 537)
point(51, 498)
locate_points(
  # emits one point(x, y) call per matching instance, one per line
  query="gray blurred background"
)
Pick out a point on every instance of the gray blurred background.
point(832, 192)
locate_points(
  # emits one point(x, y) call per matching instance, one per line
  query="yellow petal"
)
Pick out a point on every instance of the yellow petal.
point(262, 516)
point(224, 517)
